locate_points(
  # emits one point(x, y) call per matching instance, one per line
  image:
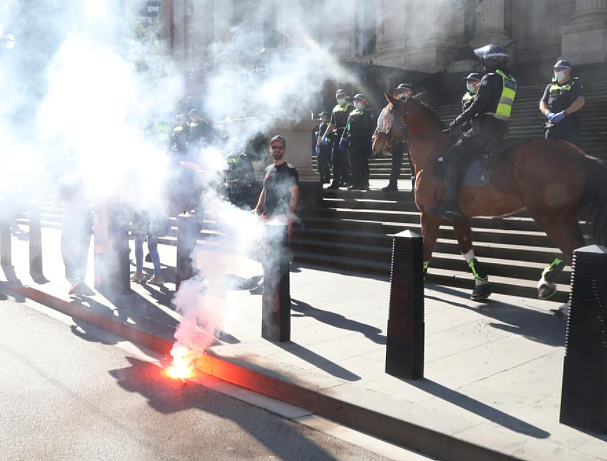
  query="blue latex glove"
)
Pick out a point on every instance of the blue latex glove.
point(558, 117)
point(317, 150)
point(549, 115)
point(325, 141)
point(343, 144)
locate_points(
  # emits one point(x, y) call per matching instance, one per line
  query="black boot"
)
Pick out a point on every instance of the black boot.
point(449, 208)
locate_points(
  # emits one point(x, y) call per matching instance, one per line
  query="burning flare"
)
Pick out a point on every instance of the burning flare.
point(182, 367)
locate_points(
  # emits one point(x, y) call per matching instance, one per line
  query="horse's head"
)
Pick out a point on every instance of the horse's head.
point(390, 126)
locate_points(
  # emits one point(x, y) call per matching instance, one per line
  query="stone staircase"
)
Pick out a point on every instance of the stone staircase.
point(353, 230)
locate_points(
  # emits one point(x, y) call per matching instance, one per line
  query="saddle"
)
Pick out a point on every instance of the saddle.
point(478, 172)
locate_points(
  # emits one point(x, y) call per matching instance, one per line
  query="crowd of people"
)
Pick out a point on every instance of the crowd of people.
point(343, 146)
point(342, 142)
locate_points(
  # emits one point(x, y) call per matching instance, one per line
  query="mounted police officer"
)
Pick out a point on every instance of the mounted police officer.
point(401, 91)
point(323, 148)
point(337, 125)
point(357, 140)
point(562, 100)
point(488, 114)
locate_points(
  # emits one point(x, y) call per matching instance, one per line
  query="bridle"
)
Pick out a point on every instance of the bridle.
point(385, 125)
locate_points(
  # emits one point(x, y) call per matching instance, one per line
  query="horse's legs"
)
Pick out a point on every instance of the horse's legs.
point(430, 228)
point(566, 234)
point(463, 233)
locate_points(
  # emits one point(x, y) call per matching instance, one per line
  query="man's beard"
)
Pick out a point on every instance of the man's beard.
point(278, 156)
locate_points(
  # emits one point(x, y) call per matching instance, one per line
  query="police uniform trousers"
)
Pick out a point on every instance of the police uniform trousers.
point(358, 154)
point(474, 141)
point(567, 130)
point(398, 155)
point(323, 160)
point(339, 160)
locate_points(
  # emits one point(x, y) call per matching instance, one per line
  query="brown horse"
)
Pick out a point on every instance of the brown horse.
point(554, 181)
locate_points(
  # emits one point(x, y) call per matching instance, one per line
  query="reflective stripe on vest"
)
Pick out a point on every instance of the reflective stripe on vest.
point(556, 87)
point(467, 97)
point(504, 108)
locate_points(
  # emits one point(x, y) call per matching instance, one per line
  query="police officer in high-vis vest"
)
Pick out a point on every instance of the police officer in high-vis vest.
point(337, 125)
point(488, 114)
point(562, 100)
point(357, 140)
point(472, 81)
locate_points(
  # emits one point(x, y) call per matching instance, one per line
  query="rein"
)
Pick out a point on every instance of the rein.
point(393, 142)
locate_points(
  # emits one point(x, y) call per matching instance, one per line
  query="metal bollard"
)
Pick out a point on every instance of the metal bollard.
point(5, 243)
point(584, 391)
point(276, 297)
point(406, 328)
point(35, 240)
point(111, 242)
point(188, 230)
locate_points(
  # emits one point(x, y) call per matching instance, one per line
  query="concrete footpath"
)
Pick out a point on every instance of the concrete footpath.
point(492, 371)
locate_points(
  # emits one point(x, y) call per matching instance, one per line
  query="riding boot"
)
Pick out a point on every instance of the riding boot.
point(449, 208)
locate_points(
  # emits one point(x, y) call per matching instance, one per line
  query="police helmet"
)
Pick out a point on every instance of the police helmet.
point(340, 91)
point(404, 87)
point(360, 97)
point(492, 56)
point(324, 113)
point(473, 77)
point(562, 64)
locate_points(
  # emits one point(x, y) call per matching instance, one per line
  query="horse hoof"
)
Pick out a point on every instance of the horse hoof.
point(546, 290)
point(481, 292)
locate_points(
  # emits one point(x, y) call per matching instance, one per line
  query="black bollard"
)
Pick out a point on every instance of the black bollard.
point(111, 242)
point(5, 243)
point(584, 392)
point(188, 230)
point(406, 328)
point(276, 297)
point(35, 240)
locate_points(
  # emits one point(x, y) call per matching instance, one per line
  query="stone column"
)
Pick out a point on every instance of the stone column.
point(584, 40)
point(490, 22)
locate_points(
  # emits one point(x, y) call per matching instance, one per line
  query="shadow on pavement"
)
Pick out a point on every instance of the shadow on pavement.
point(338, 321)
point(169, 396)
point(318, 361)
point(479, 408)
point(536, 325)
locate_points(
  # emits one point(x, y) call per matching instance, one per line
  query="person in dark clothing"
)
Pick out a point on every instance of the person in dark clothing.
point(200, 130)
point(357, 140)
point(239, 178)
point(323, 148)
point(562, 100)
point(472, 82)
point(398, 152)
point(337, 125)
point(487, 114)
point(179, 141)
point(280, 193)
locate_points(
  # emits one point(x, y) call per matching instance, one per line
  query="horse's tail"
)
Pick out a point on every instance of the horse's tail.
point(595, 199)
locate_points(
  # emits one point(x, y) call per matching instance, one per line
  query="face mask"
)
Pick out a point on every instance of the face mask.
point(560, 75)
point(470, 87)
point(341, 101)
point(358, 105)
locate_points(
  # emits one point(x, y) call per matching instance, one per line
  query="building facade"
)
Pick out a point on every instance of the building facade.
point(419, 35)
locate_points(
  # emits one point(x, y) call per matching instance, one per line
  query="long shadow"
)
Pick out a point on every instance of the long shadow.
point(318, 361)
point(479, 408)
point(169, 396)
point(12, 281)
point(339, 321)
point(539, 326)
point(334, 270)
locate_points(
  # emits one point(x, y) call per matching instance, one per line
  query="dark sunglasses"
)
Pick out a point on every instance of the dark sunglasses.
point(277, 147)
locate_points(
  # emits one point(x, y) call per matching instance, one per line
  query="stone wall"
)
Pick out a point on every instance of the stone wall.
point(421, 35)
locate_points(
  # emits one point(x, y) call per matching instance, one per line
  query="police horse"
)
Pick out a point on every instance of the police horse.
point(554, 181)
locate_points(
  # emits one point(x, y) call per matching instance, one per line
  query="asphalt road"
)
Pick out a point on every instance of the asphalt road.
point(65, 394)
